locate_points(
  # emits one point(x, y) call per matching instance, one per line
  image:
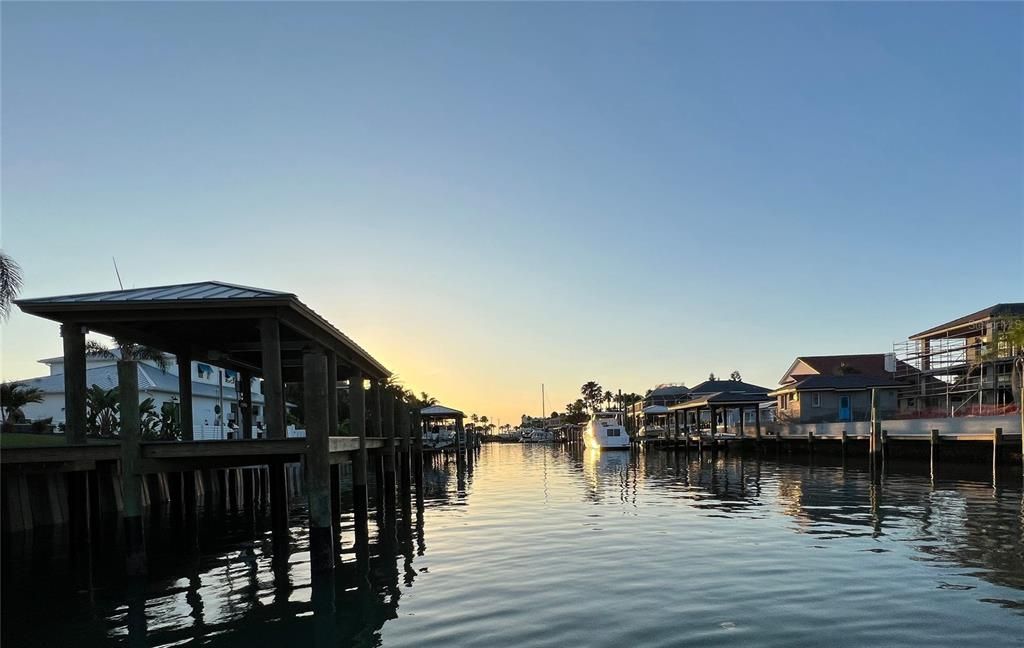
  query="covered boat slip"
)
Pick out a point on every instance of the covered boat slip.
point(698, 418)
point(258, 333)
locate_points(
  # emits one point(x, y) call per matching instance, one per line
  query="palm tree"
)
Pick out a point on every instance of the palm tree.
point(608, 396)
point(426, 400)
point(127, 351)
point(14, 396)
point(10, 283)
point(592, 394)
point(101, 410)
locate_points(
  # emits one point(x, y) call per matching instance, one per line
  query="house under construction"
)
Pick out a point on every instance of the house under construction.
point(959, 368)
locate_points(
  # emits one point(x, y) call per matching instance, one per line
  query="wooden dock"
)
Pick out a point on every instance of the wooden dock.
point(258, 333)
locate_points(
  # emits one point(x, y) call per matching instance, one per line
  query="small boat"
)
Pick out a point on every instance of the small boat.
point(535, 435)
point(605, 431)
point(438, 438)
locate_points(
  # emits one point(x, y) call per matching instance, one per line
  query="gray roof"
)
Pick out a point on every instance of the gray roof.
point(715, 386)
point(839, 383)
point(200, 291)
point(724, 398)
point(668, 390)
point(150, 380)
point(440, 411)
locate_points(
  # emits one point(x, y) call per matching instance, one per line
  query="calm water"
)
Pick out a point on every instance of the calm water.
point(551, 547)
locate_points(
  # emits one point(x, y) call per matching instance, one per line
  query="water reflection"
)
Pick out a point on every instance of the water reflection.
point(513, 548)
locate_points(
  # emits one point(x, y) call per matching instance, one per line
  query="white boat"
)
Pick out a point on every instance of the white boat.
point(439, 437)
point(605, 431)
point(652, 431)
point(535, 435)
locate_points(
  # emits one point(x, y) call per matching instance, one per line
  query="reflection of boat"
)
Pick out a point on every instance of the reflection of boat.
point(605, 431)
point(535, 435)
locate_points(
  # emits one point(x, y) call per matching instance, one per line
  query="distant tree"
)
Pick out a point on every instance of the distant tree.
point(484, 420)
point(711, 376)
point(592, 394)
point(102, 407)
point(474, 418)
point(11, 281)
point(426, 400)
point(1008, 343)
point(735, 376)
point(127, 351)
point(14, 396)
point(608, 396)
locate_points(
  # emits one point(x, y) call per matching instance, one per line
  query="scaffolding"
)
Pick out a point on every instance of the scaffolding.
point(954, 374)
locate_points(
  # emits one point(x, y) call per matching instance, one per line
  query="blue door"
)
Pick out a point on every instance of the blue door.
point(844, 409)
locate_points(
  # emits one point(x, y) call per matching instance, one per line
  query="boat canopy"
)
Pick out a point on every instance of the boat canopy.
point(656, 409)
point(440, 410)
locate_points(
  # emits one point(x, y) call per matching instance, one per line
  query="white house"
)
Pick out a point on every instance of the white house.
point(215, 400)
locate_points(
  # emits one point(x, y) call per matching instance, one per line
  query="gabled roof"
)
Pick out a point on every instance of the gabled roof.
point(849, 382)
point(440, 411)
point(715, 386)
point(1014, 309)
point(724, 398)
point(199, 291)
point(668, 390)
point(872, 364)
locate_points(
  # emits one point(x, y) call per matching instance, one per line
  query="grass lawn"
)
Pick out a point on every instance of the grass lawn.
point(26, 440)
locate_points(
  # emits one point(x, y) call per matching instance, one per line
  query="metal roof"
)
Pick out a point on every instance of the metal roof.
point(724, 398)
point(1015, 309)
point(440, 411)
point(210, 315)
point(202, 290)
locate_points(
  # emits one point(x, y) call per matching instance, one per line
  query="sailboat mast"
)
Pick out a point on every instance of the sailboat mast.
point(543, 403)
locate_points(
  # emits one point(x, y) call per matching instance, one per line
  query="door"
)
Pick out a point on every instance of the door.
point(844, 408)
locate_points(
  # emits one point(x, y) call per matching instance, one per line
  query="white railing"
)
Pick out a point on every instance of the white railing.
point(223, 432)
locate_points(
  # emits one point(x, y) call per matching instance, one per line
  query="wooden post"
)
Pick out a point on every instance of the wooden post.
point(757, 424)
point(332, 393)
point(273, 419)
point(675, 427)
point(318, 460)
point(933, 453)
point(131, 479)
point(810, 441)
point(714, 428)
point(74, 382)
point(357, 427)
point(185, 420)
point(245, 396)
point(842, 443)
point(388, 423)
point(997, 439)
point(743, 426)
point(875, 442)
point(273, 384)
point(405, 428)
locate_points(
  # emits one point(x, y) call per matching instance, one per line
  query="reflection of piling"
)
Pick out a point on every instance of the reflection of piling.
point(875, 441)
point(388, 424)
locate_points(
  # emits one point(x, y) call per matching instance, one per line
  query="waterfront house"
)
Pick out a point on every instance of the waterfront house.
point(834, 398)
point(215, 400)
point(961, 366)
point(656, 403)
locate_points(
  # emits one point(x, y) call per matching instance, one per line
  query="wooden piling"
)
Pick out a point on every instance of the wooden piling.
point(317, 460)
point(357, 427)
point(273, 419)
point(131, 479)
point(388, 423)
point(997, 439)
point(933, 452)
point(74, 382)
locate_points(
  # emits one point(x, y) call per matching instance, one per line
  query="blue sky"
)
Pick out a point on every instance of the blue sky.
point(492, 196)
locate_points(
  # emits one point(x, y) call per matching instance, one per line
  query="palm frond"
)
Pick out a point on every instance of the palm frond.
point(11, 280)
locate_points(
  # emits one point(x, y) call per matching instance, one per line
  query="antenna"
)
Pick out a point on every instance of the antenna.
point(116, 272)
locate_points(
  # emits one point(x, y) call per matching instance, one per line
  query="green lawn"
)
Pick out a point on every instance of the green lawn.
point(25, 440)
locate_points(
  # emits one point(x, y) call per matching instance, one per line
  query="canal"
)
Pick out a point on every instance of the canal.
point(553, 546)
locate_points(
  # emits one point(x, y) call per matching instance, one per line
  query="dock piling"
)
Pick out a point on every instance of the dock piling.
point(131, 479)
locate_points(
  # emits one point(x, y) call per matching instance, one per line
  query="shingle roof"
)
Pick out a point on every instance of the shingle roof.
point(839, 383)
point(203, 290)
point(872, 364)
point(724, 398)
point(669, 390)
point(150, 380)
point(1015, 309)
point(715, 386)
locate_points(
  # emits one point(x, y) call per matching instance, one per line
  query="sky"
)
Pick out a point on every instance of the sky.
point(492, 197)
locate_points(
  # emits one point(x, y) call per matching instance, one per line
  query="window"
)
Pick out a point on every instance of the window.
point(255, 410)
point(613, 433)
point(816, 399)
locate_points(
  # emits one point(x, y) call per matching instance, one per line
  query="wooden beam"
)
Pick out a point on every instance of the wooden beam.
point(74, 382)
